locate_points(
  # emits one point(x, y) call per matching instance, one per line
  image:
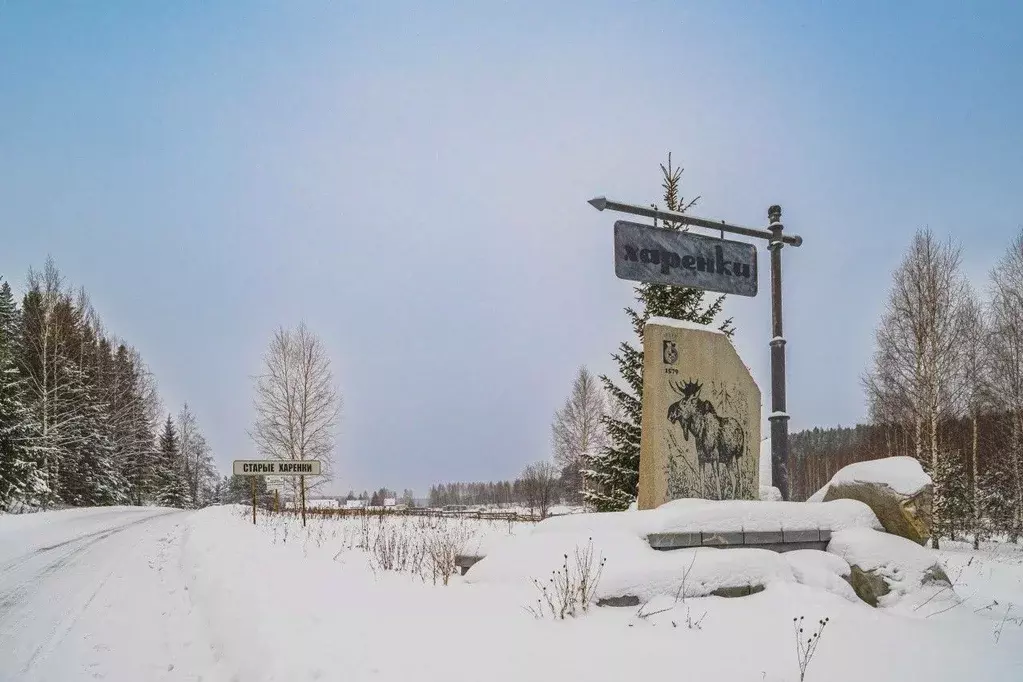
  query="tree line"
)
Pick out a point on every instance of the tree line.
point(377, 498)
point(539, 488)
point(478, 493)
point(80, 416)
point(817, 454)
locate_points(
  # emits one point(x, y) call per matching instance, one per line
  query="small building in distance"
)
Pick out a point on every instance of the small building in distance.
point(322, 503)
point(355, 504)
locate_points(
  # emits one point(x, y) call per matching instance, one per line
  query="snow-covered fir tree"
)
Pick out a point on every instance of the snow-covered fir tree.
point(613, 473)
point(135, 413)
point(20, 479)
point(997, 494)
point(101, 480)
point(952, 508)
point(171, 489)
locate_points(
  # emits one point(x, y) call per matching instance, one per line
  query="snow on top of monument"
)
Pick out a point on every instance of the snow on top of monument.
point(723, 516)
point(683, 324)
point(902, 474)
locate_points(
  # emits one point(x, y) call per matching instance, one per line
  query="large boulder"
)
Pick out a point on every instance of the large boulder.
point(895, 488)
point(885, 567)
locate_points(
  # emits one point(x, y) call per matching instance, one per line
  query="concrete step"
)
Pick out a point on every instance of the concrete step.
point(783, 540)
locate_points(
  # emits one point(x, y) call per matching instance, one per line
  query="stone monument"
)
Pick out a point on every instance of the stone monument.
point(701, 417)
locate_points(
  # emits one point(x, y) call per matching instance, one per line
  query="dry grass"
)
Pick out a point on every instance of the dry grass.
point(422, 546)
point(570, 589)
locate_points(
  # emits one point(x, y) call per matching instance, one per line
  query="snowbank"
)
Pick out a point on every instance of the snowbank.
point(631, 567)
point(301, 611)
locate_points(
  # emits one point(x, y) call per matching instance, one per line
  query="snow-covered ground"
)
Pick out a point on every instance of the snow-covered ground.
point(151, 594)
point(98, 593)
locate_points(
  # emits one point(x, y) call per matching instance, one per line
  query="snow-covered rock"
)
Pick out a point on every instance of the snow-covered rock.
point(768, 493)
point(904, 475)
point(886, 567)
point(822, 570)
point(895, 488)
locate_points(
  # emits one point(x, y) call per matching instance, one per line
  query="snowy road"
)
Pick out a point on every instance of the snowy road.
point(96, 594)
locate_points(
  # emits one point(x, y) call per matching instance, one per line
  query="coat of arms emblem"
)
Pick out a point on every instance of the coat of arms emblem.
point(670, 352)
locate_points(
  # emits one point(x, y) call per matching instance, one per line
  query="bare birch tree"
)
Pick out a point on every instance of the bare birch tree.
point(975, 377)
point(1006, 345)
point(918, 345)
point(49, 324)
point(297, 404)
point(578, 431)
point(197, 459)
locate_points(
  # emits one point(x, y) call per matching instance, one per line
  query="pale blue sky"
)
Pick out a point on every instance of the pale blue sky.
point(411, 179)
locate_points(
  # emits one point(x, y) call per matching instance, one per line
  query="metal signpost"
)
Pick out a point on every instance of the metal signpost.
point(277, 467)
point(650, 254)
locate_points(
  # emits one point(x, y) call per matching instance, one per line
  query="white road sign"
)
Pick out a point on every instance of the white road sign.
point(276, 467)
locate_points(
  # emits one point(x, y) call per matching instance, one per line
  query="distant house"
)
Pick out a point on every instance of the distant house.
point(355, 504)
point(323, 503)
point(390, 502)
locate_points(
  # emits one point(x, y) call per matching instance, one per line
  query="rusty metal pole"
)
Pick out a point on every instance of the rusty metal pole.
point(302, 484)
point(779, 418)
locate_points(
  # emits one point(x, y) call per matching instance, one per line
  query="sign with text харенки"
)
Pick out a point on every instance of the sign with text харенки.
point(276, 467)
point(644, 253)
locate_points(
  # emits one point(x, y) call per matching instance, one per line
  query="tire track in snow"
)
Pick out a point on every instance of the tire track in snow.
point(63, 627)
point(111, 603)
point(25, 586)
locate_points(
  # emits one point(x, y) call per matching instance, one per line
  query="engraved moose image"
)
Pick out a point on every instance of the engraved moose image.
point(719, 440)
